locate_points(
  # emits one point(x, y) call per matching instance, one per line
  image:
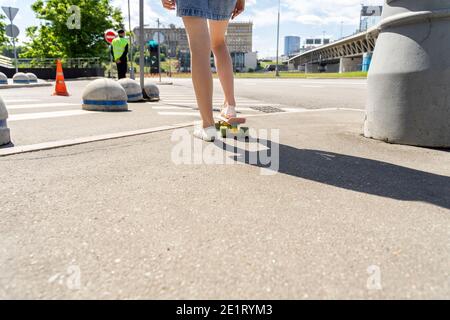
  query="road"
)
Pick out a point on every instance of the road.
point(38, 117)
point(304, 93)
point(161, 215)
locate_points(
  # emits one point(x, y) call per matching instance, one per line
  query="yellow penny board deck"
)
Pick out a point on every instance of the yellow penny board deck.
point(231, 128)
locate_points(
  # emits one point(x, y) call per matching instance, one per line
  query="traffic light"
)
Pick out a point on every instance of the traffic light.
point(154, 58)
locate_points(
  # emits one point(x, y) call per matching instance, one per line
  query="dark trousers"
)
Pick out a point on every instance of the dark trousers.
point(122, 69)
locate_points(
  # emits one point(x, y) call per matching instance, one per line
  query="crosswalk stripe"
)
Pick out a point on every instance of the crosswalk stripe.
point(41, 105)
point(20, 100)
point(193, 104)
point(46, 115)
point(169, 108)
point(214, 102)
point(190, 114)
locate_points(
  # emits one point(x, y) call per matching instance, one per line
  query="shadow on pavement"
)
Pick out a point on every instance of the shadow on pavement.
point(5, 146)
point(352, 173)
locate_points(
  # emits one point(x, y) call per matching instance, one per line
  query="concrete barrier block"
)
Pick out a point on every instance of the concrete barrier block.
point(151, 91)
point(104, 95)
point(409, 78)
point(133, 89)
point(5, 137)
point(32, 77)
point(21, 78)
point(3, 78)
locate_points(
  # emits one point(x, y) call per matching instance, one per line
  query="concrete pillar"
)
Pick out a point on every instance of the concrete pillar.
point(308, 68)
point(350, 64)
point(409, 79)
point(367, 60)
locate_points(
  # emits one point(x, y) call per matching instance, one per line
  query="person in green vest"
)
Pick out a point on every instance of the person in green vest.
point(119, 51)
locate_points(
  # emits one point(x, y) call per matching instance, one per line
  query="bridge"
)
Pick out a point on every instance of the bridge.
point(344, 55)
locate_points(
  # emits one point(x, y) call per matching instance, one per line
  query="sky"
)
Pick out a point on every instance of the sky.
point(304, 18)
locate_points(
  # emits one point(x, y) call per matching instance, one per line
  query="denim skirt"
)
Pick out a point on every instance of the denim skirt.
point(208, 9)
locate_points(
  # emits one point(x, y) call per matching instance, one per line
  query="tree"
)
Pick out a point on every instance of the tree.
point(57, 38)
point(4, 40)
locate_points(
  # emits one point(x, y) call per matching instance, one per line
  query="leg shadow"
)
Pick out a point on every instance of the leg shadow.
point(348, 172)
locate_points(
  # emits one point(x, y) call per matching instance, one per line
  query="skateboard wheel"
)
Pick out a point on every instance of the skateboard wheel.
point(217, 126)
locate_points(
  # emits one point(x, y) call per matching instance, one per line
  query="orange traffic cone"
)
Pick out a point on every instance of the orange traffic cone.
point(60, 88)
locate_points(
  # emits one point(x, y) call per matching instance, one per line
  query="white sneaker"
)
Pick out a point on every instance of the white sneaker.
point(208, 134)
point(228, 112)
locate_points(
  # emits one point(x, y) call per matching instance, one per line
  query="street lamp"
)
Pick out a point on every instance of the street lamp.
point(159, 50)
point(131, 42)
point(277, 71)
point(141, 42)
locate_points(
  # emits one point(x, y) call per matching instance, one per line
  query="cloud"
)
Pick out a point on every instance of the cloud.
point(306, 12)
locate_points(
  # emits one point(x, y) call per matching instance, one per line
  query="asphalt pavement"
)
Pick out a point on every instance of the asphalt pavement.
point(308, 208)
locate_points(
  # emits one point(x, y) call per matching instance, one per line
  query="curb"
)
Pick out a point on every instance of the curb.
point(78, 141)
point(33, 85)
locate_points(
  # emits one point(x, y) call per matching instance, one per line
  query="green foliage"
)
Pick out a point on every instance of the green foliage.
point(4, 40)
point(53, 38)
point(8, 50)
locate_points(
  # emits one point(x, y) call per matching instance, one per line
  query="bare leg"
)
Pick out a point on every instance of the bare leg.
point(224, 64)
point(199, 43)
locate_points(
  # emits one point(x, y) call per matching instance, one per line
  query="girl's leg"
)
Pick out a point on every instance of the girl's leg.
point(200, 45)
point(224, 64)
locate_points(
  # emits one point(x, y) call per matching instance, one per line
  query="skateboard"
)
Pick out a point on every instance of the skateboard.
point(231, 128)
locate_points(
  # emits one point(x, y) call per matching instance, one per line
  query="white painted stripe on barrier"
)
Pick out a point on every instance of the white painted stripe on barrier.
point(42, 105)
point(47, 115)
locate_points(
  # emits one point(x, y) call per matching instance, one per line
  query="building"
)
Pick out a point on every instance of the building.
point(315, 42)
point(291, 45)
point(370, 17)
point(239, 39)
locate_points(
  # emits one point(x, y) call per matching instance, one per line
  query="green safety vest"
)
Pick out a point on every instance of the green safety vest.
point(119, 45)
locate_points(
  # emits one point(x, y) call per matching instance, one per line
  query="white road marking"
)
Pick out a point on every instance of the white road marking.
point(20, 100)
point(46, 115)
point(219, 101)
point(259, 104)
point(182, 114)
point(42, 105)
point(294, 110)
point(90, 139)
point(169, 108)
